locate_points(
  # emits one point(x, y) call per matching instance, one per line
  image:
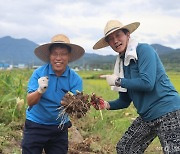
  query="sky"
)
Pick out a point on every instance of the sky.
point(83, 21)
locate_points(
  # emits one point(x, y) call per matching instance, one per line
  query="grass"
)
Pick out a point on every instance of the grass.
point(175, 79)
point(115, 123)
point(13, 85)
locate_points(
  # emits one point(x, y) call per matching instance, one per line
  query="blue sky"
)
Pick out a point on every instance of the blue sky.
point(83, 21)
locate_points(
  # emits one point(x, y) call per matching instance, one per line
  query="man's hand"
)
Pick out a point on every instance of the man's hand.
point(110, 79)
point(43, 84)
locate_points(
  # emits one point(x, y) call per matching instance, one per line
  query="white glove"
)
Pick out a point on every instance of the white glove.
point(110, 79)
point(43, 84)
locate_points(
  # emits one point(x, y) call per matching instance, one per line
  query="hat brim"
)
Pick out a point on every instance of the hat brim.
point(102, 42)
point(43, 53)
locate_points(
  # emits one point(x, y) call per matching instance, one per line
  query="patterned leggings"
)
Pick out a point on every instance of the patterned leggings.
point(140, 134)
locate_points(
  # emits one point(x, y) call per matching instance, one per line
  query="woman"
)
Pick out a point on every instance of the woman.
point(140, 77)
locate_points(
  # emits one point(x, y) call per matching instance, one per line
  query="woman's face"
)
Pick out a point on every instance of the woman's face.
point(118, 41)
point(59, 58)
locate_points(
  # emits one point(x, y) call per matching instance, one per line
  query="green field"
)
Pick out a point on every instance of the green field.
point(109, 130)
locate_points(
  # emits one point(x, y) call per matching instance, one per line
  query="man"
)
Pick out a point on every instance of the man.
point(139, 77)
point(46, 88)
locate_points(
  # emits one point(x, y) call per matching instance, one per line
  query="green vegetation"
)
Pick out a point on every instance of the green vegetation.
point(13, 86)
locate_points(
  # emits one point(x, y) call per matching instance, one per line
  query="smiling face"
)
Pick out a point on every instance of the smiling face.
point(118, 40)
point(59, 58)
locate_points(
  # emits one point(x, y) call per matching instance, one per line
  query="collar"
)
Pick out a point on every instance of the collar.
point(53, 73)
point(122, 56)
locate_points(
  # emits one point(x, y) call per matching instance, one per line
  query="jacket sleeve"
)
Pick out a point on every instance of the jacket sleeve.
point(147, 66)
point(122, 102)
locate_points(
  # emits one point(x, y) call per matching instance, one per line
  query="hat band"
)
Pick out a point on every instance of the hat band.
point(60, 41)
point(111, 30)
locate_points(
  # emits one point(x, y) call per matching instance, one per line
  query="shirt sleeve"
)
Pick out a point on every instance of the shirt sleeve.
point(122, 102)
point(147, 66)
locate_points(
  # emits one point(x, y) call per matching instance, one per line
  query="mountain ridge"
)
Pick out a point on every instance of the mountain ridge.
point(21, 51)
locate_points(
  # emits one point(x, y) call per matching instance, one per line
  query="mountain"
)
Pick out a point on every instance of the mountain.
point(162, 49)
point(17, 51)
point(21, 51)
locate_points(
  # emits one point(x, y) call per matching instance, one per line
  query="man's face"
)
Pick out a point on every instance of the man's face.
point(118, 41)
point(59, 58)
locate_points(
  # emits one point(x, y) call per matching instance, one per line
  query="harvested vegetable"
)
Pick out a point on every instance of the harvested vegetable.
point(97, 101)
point(76, 106)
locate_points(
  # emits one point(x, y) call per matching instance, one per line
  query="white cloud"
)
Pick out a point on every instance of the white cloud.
point(84, 20)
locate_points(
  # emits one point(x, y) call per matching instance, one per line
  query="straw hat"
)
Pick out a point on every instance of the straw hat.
point(42, 52)
point(112, 26)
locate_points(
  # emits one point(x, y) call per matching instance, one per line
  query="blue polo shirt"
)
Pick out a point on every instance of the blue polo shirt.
point(148, 86)
point(45, 111)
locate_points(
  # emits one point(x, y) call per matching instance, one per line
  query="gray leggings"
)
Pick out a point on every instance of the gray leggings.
point(140, 134)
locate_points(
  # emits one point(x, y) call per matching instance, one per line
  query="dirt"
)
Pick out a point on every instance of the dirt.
point(96, 101)
point(77, 143)
point(76, 106)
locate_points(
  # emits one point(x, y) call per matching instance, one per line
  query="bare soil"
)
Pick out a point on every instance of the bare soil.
point(77, 143)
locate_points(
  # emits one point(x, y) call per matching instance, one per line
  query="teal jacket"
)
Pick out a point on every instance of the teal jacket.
point(148, 86)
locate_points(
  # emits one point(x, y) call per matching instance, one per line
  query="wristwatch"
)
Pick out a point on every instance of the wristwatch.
point(118, 82)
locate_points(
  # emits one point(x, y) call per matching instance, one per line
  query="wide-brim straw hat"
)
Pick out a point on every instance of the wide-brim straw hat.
point(43, 53)
point(112, 26)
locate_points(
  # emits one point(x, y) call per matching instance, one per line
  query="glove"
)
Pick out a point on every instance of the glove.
point(101, 105)
point(110, 79)
point(43, 84)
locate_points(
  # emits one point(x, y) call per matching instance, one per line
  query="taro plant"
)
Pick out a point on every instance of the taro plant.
point(13, 95)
